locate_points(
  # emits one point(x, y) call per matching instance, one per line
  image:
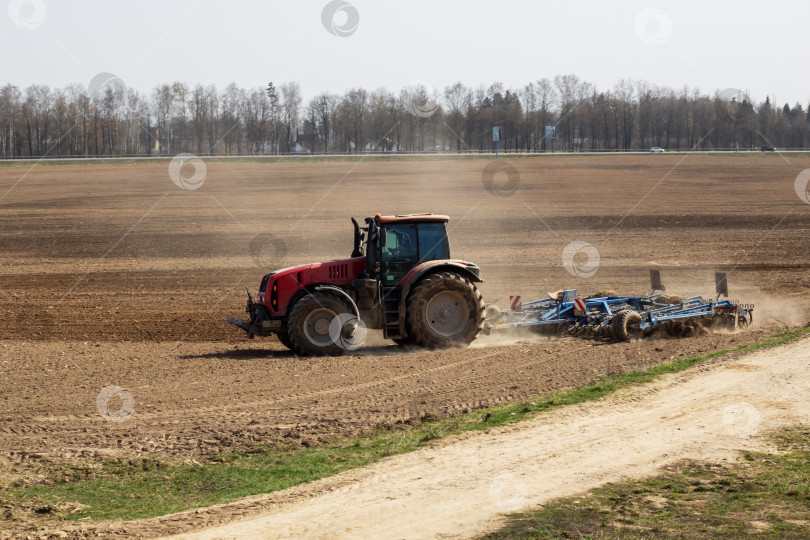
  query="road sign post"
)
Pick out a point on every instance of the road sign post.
point(496, 138)
point(551, 133)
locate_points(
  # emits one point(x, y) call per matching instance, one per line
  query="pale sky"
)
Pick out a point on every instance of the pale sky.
point(758, 47)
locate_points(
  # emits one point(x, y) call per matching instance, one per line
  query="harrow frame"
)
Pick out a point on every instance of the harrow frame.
point(563, 313)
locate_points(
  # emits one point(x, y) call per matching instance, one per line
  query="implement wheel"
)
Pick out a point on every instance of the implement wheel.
point(621, 325)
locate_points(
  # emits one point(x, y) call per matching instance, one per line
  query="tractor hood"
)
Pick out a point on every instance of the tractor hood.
point(279, 288)
point(309, 267)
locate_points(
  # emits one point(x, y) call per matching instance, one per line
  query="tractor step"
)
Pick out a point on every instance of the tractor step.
point(392, 297)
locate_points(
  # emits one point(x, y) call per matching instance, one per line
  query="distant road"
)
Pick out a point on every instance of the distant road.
point(393, 155)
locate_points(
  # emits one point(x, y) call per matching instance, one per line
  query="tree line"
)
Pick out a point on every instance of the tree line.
point(634, 115)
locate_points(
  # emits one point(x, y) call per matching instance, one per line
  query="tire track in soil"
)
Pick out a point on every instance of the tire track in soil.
point(280, 400)
point(455, 381)
point(287, 415)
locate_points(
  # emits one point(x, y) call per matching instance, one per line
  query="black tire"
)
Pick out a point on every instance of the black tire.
point(444, 309)
point(621, 325)
point(284, 338)
point(308, 324)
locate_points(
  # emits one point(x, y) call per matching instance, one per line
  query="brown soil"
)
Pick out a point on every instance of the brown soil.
point(110, 275)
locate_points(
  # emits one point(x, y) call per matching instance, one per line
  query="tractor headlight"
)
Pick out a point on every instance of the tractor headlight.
point(274, 296)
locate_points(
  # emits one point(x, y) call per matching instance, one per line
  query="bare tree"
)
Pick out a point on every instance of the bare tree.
point(458, 100)
point(291, 110)
point(173, 118)
point(323, 107)
point(232, 106)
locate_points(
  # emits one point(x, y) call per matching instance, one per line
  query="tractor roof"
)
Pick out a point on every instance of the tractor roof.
point(411, 217)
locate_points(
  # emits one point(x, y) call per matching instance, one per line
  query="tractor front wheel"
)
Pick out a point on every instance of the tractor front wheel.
point(444, 309)
point(308, 324)
point(284, 338)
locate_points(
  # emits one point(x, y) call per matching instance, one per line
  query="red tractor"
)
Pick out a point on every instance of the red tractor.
point(400, 279)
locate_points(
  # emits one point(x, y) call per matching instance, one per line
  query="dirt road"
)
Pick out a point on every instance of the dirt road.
point(460, 488)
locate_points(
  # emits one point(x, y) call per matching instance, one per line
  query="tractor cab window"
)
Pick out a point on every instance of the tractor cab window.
point(407, 245)
point(400, 252)
point(433, 243)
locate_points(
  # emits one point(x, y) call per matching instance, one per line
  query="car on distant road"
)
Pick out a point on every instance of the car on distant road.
point(656, 149)
point(768, 148)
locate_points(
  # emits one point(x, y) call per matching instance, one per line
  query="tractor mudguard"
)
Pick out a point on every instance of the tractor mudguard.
point(463, 268)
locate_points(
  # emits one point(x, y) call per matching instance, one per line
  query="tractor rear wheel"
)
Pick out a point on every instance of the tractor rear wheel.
point(308, 324)
point(444, 309)
point(622, 325)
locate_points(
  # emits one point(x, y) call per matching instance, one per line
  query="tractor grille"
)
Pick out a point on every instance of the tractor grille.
point(263, 286)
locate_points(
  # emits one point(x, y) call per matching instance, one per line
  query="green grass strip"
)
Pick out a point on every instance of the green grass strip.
point(765, 496)
point(138, 488)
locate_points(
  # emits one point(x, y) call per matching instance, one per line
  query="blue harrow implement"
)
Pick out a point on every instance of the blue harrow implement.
point(624, 317)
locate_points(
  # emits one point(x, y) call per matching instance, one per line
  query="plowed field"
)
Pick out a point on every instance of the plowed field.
point(111, 275)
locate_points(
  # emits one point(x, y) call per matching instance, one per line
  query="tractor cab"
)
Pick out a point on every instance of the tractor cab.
point(399, 279)
point(397, 244)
